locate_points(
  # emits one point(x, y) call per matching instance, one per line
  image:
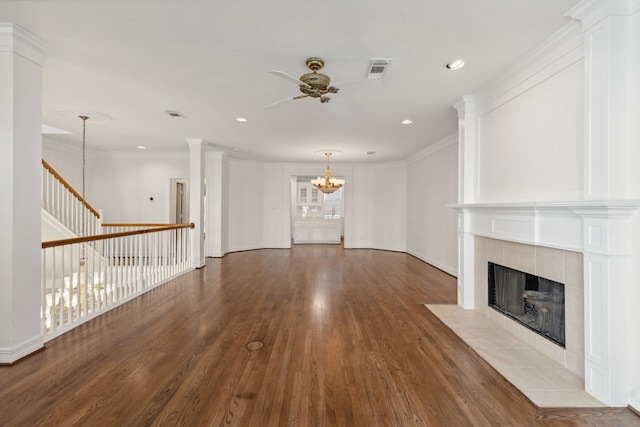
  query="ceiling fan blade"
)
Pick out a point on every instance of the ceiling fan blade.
point(280, 102)
point(288, 77)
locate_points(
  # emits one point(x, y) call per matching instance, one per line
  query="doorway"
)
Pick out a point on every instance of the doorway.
point(179, 208)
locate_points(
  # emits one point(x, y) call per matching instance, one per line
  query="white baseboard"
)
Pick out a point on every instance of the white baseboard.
point(634, 400)
point(436, 264)
point(10, 355)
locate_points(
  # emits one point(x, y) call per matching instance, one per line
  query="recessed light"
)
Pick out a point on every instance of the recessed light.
point(454, 65)
point(407, 122)
point(236, 149)
point(241, 119)
point(141, 147)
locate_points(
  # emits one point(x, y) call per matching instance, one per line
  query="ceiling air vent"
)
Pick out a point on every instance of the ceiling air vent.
point(174, 113)
point(378, 67)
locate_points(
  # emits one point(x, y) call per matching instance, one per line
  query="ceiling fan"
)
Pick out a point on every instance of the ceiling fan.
point(312, 85)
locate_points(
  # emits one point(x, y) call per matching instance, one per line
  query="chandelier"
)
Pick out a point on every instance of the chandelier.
point(327, 184)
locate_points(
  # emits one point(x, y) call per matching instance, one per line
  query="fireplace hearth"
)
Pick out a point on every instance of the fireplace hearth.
point(533, 301)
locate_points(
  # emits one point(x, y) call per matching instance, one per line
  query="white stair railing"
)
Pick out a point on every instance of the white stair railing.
point(87, 276)
point(67, 205)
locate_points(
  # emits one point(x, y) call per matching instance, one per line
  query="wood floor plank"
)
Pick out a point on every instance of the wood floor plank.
point(347, 342)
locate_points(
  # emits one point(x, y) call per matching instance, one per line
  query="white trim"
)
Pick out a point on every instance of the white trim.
point(449, 270)
point(568, 225)
point(444, 143)
point(14, 38)
point(559, 52)
point(18, 351)
point(634, 400)
point(592, 12)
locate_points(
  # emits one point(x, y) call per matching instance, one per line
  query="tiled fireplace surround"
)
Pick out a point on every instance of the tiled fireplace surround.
point(587, 245)
point(554, 264)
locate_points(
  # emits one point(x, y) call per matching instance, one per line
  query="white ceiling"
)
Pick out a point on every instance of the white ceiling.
point(129, 60)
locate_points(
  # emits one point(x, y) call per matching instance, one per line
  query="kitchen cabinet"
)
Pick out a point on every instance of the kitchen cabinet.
point(317, 230)
point(308, 195)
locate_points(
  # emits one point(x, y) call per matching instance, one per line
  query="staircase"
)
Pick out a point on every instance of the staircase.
point(85, 271)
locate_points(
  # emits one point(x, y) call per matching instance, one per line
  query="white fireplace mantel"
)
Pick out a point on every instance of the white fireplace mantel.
point(594, 226)
point(603, 232)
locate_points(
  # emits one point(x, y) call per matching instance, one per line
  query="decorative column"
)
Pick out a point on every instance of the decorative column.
point(214, 166)
point(467, 167)
point(22, 58)
point(196, 200)
point(610, 368)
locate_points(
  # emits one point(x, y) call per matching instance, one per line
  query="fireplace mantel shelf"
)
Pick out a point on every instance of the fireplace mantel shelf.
point(598, 226)
point(624, 208)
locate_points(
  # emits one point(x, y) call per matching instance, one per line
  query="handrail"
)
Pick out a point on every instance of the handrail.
point(54, 243)
point(139, 225)
point(70, 188)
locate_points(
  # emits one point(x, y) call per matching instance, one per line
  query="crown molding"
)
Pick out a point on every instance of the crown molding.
point(14, 38)
point(591, 12)
point(557, 53)
point(444, 143)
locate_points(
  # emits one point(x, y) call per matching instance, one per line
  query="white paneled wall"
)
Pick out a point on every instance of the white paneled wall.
point(536, 139)
point(246, 205)
point(432, 182)
point(552, 149)
point(360, 217)
point(389, 213)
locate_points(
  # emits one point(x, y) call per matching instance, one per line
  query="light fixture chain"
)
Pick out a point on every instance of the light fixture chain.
point(84, 167)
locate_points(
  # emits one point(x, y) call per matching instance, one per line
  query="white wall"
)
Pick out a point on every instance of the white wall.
point(359, 216)
point(634, 135)
point(276, 207)
point(431, 185)
point(246, 205)
point(634, 99)
point(123, 182)
point(255, 198)
point(531, 146)
point(389, 206)
point(66, 160)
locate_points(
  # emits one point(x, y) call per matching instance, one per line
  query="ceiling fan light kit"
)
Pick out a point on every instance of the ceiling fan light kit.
point(316, 85)
point(312, 85)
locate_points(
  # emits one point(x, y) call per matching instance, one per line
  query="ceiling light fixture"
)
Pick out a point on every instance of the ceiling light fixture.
point(241, 119)
point(407, 121)
point(141, 147)
point(328, 184)
point(454, 65)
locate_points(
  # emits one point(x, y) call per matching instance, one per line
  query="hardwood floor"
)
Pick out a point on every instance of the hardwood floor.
point(347, 342)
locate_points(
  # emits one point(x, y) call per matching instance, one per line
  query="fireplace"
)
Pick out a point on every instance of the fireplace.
point(533, 301)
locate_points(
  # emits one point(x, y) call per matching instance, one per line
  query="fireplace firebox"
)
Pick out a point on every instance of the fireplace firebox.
point(533, 301)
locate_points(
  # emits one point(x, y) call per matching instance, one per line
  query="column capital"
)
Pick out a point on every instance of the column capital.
point(591, 12)
point(194, 142)
point(465, 105)
point(16, 39)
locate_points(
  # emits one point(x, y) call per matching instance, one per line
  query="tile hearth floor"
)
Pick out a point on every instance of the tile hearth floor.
point(544, 381)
